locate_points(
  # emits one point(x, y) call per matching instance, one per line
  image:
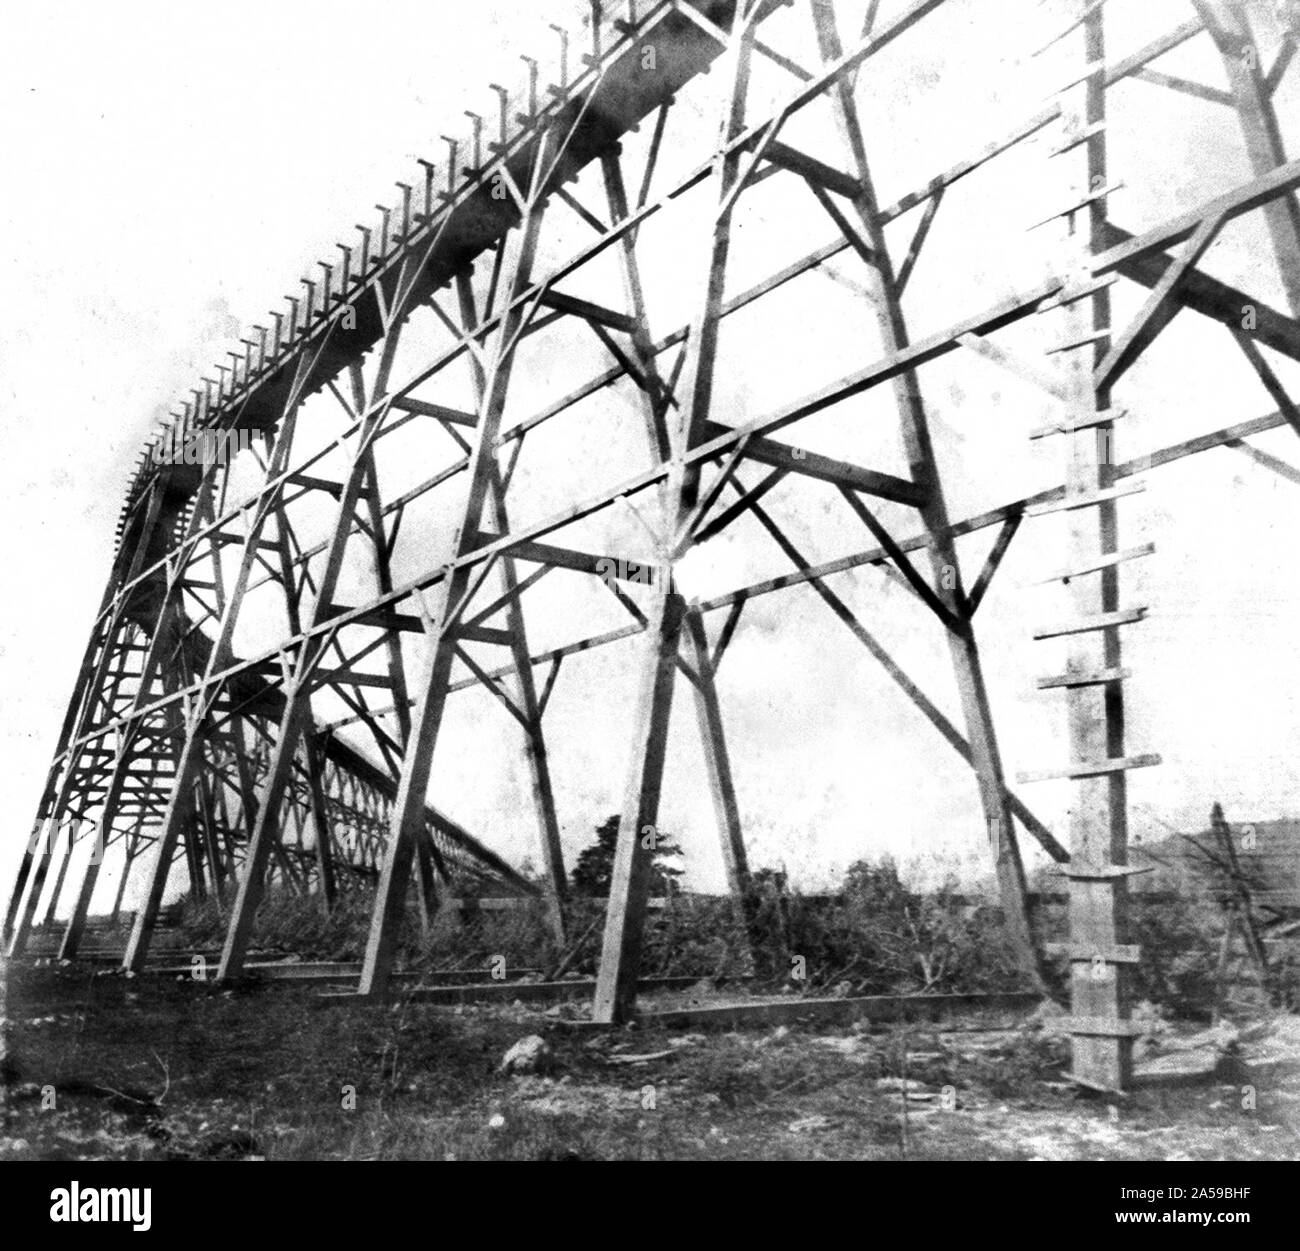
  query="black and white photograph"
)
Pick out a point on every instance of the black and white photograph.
point(686, 581)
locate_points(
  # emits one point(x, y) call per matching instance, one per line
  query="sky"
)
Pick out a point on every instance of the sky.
point(173, 170)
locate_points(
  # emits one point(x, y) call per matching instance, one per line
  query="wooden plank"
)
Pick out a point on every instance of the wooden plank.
point(1128, 953)
point(406, 825)
point(496, 992)
point(1077, 871)
point(588, 311)
point(1102, 1027)
point(1159, 310)
point(799, 460)
point(1231, 32)
point(811, 168)
point(1084, 421)
point(485, 634)
point(1094, 677)
point(892, 328)
point(1086, 499)
point(625, 568)
point(1210, 297)
point(1014, 363)
point(717, 761)
point(878, 1009)
point(1242, 199)
point(423, 408)
point(1091, 769)
point(1099, 621)
point(1094, 564)
point(616, 980)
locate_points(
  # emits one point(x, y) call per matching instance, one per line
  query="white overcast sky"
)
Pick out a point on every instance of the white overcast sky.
point(171, 170)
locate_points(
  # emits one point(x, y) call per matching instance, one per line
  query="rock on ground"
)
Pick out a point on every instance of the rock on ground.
point(528, 1055)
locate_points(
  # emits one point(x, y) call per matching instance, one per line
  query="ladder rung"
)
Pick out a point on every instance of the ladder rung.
point(1102, 1027)
point(1079, 423)
point(1100, 194)
point(1071, 295)
point(1070, 344)
point(1102, 621)
point(1090, 769)
point(1099, 563)
point(1125, 953)
point(1097, 677)
point(1075, 138)
point(1078, 872)
point(1068, 503)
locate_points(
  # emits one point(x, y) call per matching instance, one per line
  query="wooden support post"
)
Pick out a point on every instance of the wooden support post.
point(130, 853)
point(1229, 27)
point(426, 887)
point(985, 754)
point(539, 769)
point(1099, 990)
point(629, 886)
point(73, 721)
point(407, 828)
point(1244, 896)
point(38, 864)
point(81, 909)
point(189, 758)
point(718, 764)
point(163, 644)
point(615, 998)
point(102, 652)
point(296, 717)
point(211, 849)
point(65, 856)
point(311, 749)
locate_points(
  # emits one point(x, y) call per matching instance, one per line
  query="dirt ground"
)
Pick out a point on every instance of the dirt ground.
point(100, 1066)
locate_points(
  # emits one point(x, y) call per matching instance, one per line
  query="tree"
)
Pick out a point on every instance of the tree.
point(595, 865)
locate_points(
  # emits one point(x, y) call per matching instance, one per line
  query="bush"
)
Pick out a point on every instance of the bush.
point(289, 922)
point(876, 935)
point(881, 937)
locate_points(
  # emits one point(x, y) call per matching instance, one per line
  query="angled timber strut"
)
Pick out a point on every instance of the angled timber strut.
point(266, 694)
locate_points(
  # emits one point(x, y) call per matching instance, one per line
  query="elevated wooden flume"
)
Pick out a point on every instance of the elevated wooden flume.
point(224, 712)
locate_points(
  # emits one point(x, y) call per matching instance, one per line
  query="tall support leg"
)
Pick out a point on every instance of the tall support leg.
point(212, 852)
point(190, 756)
point(65, 856)
point(1103, 1056)
point(162, 646)
point(296, 718)
point(320, 818)
point(312, 756)
point(985, 754)
point(39, 858)
point(76, 926)
point(70, 724)
point(616, 981)
point(717, 761)
point(102, 653)
point(192, 845)
point(131, 850)
point(90, 678)
point(426, 885)
point(1229, 27)
point(539, 769)
point(629, 886)
point(716, 757)
point(407, 828)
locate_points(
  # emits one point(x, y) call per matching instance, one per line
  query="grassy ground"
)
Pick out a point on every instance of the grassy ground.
point(154, 1068)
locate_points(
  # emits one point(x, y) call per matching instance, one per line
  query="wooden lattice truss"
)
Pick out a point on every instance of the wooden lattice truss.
point(268, 675)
